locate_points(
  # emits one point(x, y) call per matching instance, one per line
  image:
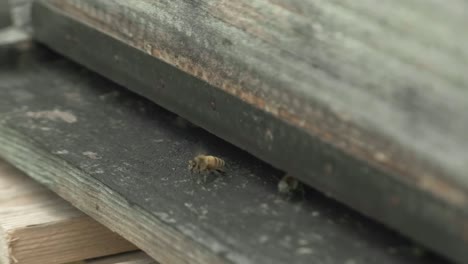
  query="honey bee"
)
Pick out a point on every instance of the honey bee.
point(289, 185)
point(206, 163)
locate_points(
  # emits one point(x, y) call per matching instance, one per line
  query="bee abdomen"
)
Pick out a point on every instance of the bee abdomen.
point(219, 163)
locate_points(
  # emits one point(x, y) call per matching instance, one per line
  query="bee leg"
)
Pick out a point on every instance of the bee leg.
point(205, 177)
point(199, 179)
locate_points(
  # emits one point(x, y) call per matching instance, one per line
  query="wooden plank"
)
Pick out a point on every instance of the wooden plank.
point(369, 98)
point(37, 226)
point(14, 38)
point(123, 161)
point(127, 258)
point(20, 12)
point(5, 19)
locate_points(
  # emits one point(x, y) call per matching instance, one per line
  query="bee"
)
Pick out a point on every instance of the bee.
point(206, 163)
point(289, 185)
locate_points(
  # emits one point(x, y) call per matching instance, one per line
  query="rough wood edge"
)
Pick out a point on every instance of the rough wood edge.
point(45, 215)
point(68, 240)
point(127, 258)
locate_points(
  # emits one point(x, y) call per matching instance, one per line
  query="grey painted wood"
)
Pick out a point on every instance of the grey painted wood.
point(123, 161)
point(395, 69)
point(20, 12)
point(364, 101)
point(5, 19)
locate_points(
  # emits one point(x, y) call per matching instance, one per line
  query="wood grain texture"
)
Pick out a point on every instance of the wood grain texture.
point(364, 101)
point(127, 258)
point(364, 66)
point(123, 161)
point(37, 226)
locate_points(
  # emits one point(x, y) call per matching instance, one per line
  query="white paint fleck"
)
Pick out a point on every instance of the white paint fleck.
point(203, 212)
point(61, 152)
point(148, 48)
point(315, 213)
point(304, 251)
point(99, 171)
point(379, 156)
point(91, 155)
point(269, 135)
point(165, 217)
point(263, 238)
point(54, 115)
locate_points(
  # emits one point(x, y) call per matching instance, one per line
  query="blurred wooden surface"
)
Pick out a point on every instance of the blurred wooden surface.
point(126, 258)
point(5, 18)
point(37, 226)
point(20, 12)
point(123, 160)
point(364, 100)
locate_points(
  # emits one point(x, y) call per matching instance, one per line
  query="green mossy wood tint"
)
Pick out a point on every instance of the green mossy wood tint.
point(123, 160)
point(365, 101)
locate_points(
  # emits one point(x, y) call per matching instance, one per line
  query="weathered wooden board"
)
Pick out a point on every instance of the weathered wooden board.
point(20, 12)
point(37, 226)
point(123, 161)
point(5, 18)
point(364, 100)
point(127, 258)
point(14, 38)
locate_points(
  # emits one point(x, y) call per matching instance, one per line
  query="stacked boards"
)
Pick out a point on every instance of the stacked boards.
point(364, 101)
point(123, 160)
point(37, 226)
